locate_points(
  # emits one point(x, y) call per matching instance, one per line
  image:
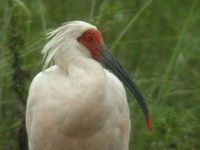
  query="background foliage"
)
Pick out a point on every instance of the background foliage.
point(157, 41)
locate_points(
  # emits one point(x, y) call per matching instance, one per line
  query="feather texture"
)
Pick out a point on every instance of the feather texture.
point(61, 40)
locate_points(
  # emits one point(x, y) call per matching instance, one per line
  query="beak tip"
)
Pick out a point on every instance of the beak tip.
point(149, 123)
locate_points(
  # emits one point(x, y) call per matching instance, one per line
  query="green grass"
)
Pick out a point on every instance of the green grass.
point(156, 41)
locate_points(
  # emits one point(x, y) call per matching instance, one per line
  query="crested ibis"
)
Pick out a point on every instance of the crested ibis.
point(75, 103)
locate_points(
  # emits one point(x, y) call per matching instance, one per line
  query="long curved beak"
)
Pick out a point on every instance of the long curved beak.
point(111, 63)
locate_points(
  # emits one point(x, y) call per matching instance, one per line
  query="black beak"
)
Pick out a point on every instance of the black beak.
point(111, 63)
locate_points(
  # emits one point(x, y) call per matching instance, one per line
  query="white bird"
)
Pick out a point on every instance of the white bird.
point(77, 104)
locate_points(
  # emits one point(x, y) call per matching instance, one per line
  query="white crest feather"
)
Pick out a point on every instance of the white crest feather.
point(60, 39)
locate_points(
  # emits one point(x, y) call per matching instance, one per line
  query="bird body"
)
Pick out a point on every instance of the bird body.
point(87, 110)
point(76, 104)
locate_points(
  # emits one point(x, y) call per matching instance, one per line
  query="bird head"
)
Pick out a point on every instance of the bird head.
point(89, 40)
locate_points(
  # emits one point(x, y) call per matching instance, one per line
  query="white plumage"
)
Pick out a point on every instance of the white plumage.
point(75, 104)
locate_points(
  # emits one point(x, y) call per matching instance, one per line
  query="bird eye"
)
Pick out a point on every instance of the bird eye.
point(88, 37)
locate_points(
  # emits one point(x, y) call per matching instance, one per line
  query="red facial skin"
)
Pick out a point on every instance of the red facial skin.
point(92, 39)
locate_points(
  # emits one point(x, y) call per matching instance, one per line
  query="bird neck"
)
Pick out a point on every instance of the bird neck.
point(80, 58)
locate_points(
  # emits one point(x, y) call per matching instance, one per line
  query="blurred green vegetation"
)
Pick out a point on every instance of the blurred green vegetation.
point(157, 41)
